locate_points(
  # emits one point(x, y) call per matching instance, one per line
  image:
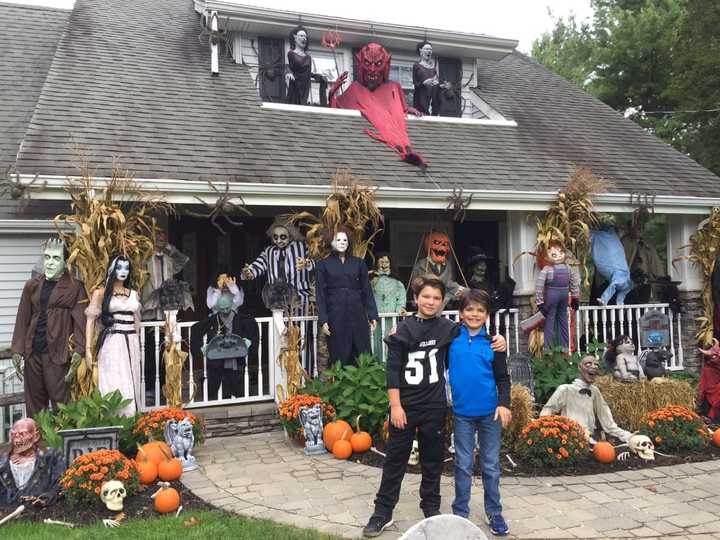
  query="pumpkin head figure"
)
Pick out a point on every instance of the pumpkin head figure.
point(438, 247)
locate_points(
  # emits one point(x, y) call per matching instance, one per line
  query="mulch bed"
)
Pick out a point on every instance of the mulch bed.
point(138, 506)
point(587, 466)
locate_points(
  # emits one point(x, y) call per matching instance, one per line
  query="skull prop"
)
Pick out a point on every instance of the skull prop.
point(113, 494)
point(642, 446)
point(414, 454)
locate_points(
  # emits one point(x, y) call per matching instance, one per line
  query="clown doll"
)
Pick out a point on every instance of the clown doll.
point(554, 283)
point(437, 245)
point(345, 302)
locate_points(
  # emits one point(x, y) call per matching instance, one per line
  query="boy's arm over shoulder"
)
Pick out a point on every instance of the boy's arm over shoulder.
point(502, 379)
point(394, 360)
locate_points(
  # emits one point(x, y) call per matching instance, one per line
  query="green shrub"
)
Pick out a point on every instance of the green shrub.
point(355, 390)
point(675, 428)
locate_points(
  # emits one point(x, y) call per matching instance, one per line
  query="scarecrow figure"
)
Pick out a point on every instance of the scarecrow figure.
point(582, 401)
point(345, 302)
point(555, 282)
point(437, 245)
point(28, 474)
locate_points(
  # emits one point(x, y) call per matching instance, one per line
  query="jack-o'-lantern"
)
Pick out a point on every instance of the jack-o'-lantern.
point(438, 247)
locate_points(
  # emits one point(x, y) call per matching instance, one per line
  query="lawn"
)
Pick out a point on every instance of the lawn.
point(211, 525)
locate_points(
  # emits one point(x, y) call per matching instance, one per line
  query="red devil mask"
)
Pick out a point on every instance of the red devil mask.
point(712, 355)
point(438, 247)
point(373, 65)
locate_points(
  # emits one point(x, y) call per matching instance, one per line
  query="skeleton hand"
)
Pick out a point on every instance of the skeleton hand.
point(459, 293)
point(373, 325)
point(325, 329)
point(402, 312)
point(289, 77)
point(622, 456)
point(110, 523)
point(301, 263)
point(247, 273)
point(17, 360)
point(37, 502)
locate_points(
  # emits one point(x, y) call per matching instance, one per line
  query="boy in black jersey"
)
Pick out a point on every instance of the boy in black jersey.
point(416, 364)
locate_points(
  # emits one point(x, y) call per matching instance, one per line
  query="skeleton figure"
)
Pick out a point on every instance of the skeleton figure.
point(179, 436)
point(113, 494)
point(311, 419)
point(626, 366)
point(641, 446)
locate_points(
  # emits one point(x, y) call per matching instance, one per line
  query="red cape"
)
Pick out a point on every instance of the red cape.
point(386, 110)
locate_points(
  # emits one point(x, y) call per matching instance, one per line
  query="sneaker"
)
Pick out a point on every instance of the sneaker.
point(431, 513)
point(376, 525)
point(497, 525)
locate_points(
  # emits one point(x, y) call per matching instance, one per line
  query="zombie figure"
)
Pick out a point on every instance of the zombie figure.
point(380, 100)
point(28, 474)
point(709, 386)
point(425, 79)
point(118, 309)
point(582, 401)
point(165, 263)
point(554, 283)
point(231, 337)
point(52, 308)
point(437, 245)
point(288, 268)
point(345, 302)
point(609, 258)
point(390, 297)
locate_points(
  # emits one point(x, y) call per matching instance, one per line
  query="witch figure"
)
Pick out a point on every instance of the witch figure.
point(425, 79)
point(118, 345)
point(300, 64)
point(345, 302)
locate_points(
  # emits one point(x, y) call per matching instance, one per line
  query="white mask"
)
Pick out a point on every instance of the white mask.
point(280, 237)
point(340, 242)
point(122, 270)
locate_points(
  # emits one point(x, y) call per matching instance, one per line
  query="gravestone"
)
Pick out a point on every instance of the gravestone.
point(78, 442)
point(654, 329)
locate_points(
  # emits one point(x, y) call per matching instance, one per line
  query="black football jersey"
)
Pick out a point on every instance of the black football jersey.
point(417, 361)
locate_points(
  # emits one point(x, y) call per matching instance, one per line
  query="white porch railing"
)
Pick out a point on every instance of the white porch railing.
point(10, 383)
point(605, 323)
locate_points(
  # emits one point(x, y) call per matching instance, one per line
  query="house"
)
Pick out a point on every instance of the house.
point(134, 81)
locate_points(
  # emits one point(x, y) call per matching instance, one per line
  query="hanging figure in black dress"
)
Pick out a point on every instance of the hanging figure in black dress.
point(425, 79)
point(300, 64)
point(345, 302)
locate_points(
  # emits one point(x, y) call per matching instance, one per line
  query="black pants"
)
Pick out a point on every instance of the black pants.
point(431, 440)
point(232, 380)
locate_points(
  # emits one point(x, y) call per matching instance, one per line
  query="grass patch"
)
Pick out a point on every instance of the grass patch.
point(212, 525)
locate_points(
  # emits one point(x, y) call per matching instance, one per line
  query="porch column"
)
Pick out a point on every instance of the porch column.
point(521, 235)
point(678, 230)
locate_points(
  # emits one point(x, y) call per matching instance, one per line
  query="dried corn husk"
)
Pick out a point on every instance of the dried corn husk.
point(289, 360)
point(521, 406)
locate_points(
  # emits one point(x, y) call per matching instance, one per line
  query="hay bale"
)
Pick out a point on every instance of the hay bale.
point(521, 406)
point(629, 402)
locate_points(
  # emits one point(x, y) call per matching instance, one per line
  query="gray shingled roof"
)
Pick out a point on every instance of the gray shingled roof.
point(133, 80)
point(27, 45)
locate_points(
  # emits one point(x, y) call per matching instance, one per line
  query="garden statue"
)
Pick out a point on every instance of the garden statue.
point(582, 401)
point(621, 360)
point(425, 79)
point(28, 474)
point(162, 266)
point(346, 306)
point(609, 258)
point(172, 296)
point(380, 100)
point(709, 386)
point(224, 283)
point(51, 310)
point(118, 309)
point(311, 420)
point(390, 297)
point(555, 282)
point(180, 438)
point(437, 246)
point(230, 338)
point(112, 494)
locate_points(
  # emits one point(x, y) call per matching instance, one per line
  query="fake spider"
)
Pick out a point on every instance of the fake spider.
point(645, 203)
point(268, 71)
point(214, 37)
point(18, 191)
point(457, 204)
point(223, 207)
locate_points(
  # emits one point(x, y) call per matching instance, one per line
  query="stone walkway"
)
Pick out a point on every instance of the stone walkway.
point(265, 477)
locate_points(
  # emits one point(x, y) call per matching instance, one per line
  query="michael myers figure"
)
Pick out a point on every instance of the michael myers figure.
point(345, 302)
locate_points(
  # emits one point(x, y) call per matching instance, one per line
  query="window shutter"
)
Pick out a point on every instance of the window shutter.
point(272, 69)
point(451, 71)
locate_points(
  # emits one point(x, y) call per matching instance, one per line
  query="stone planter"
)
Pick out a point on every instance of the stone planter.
point(77, 442)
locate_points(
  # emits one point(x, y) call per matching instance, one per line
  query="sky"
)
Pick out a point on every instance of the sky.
point(524, 20)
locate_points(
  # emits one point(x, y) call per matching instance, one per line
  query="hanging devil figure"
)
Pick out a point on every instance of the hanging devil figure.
point(380, 100)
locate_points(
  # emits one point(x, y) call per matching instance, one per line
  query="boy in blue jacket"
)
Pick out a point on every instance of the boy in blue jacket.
point(480, 387)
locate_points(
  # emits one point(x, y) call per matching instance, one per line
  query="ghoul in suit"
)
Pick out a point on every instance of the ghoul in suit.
point(345, 302)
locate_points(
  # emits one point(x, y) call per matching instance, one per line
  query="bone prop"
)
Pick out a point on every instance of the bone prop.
point(373, 449)
point(63, 523)
point(19, 510)
point(180, 509)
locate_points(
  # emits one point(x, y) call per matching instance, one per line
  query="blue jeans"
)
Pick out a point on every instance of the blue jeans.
point(621, 283)
point(489, 437)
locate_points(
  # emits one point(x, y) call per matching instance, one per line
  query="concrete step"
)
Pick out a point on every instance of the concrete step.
point(244, 419)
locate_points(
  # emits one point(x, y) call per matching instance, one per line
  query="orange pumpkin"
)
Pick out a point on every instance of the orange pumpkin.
point(361, 441)
point(604, 452)
point(716, 437)
point(147, 470)
point(334, 431)
point(155, 451)
point(170, 470)
point(342, 449)
point(167, 500)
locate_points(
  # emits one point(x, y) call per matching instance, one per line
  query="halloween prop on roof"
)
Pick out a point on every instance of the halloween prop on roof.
point(380, 100)
point(17, 191)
